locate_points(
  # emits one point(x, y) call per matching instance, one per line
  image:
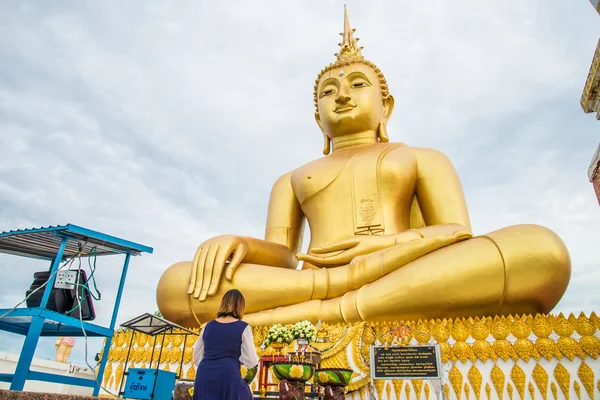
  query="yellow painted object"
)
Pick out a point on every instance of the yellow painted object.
point(390, 234)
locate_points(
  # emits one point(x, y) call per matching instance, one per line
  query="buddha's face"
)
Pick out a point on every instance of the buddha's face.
point(349, 101)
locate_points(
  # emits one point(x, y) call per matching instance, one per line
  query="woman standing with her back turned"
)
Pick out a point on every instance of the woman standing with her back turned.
point(223, 345)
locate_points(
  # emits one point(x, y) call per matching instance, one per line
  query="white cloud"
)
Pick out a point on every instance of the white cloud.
point(168, 124)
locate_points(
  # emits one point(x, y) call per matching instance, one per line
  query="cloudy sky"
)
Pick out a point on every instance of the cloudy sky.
point(166, 123)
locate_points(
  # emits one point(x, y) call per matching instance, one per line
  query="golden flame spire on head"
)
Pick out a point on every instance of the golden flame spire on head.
point(349, 54)
point(349, 50)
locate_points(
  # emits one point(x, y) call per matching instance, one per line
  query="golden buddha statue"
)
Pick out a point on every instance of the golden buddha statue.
point(390, 235)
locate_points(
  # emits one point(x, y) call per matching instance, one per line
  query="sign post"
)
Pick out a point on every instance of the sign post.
point(407, 363)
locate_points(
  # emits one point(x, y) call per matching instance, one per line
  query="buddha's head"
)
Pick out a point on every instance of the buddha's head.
point(351, 95)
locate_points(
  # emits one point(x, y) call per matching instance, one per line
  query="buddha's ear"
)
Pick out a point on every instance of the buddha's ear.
point(326, 141)
point(326, 144)
point(388, 106)
point(318, 119)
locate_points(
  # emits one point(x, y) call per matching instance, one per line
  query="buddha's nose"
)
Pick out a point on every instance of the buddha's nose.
point(342, 98)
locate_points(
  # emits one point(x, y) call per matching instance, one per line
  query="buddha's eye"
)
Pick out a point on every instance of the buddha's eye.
point(359, 84)
point(327, 92)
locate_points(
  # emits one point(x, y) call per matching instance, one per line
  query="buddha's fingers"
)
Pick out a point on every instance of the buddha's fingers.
point(343, 245)
point(220, 261)
point(194, 270)
point(364, 270)
point(238, 255)
point(209, 269)
point(200, 273)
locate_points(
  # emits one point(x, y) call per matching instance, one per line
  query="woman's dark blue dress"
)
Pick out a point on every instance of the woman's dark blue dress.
point(218, 376)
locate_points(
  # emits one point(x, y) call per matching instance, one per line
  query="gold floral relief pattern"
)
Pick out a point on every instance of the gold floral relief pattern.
point(417, 385)
point(187, 355)
point(586, 375)
point(363, 392)
point(587, 342)
point(563, 378)
point(481, 348)
point(531, 390)
point(191, 372)
point(107, 374)
point(456, 379)
point(518, 377)
point(397, 383)
point(388, 390)
point(422, 332)
point(427, 391)
point(542, 328)
point(577, 389)
point(119, 375)
point(175, 355)
point(379, 387)
point(461, 349)
point(554, 390)
point(475, 379)
point(540, 377)
point(502, 347)
point(361, 339)
point(464, 343)
point(498, 378)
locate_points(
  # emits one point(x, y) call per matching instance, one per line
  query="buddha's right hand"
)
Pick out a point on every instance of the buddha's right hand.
point(210, 261)
point(369, 268)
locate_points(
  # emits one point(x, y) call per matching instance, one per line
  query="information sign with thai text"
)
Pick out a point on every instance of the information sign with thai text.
point(405, 362)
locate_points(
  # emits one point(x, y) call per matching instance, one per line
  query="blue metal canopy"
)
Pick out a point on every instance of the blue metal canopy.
point(59, 243)
point(45, 242)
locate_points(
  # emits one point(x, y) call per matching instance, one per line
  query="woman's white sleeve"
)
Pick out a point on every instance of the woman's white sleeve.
point(199, 349)
point(249, 357)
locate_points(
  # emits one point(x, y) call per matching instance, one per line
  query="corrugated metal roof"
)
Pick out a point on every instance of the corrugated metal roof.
point(44, 242)
point(153, 325)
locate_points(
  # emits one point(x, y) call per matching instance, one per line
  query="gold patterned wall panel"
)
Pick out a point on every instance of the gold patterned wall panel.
point(519, 357)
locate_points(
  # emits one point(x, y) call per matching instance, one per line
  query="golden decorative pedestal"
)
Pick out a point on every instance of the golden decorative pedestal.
point(542, 356)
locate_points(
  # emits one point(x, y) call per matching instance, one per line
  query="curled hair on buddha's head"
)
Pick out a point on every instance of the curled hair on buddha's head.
point(233, 305)
point(350, 54)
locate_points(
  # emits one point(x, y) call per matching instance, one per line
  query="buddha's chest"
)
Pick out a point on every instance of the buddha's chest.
point(379, 173)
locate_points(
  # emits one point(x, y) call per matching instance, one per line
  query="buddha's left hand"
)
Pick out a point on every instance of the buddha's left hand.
point(343, 252)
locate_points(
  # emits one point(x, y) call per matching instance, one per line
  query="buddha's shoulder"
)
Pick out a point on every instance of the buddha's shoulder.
point(393, 153)
point(330, 164)
point(285, 181)
point(424, 153)
point(397, 149)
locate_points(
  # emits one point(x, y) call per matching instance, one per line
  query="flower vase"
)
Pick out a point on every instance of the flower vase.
point(278, 347)
point(302, 345)
point(292, 378)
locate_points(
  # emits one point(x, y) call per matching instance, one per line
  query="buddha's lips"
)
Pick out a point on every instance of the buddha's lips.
point(344, 108)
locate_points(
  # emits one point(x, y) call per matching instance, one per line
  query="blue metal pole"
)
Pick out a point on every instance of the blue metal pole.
point(113, 321)
point(35, 328)
point(27, 352)
point(52, 277)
